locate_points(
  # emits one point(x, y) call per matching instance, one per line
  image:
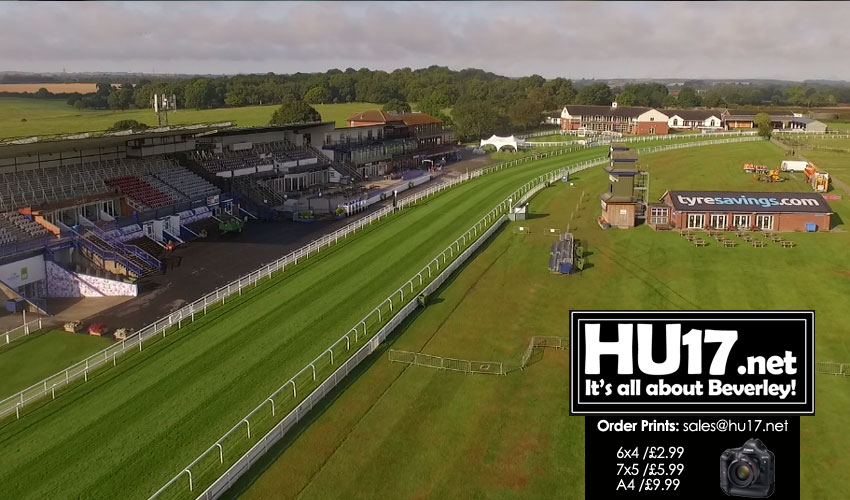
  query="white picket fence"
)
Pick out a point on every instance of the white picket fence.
point(21, 331)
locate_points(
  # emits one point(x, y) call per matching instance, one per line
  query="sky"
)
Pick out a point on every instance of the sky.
point(725, 40)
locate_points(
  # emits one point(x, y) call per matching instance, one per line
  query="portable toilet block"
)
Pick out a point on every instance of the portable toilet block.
point(811, 227)
point(566, 267)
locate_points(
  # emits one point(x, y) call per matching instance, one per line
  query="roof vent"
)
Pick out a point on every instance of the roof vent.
point(614, 104)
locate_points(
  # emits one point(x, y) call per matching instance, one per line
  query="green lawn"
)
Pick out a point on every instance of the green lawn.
point(41, 354)
point(838, 125)
point(554, 138)
point(48, 117)
point(161, 408)
point(413, 432)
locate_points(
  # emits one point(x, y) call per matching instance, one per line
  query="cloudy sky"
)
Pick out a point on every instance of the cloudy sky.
point(785, 40)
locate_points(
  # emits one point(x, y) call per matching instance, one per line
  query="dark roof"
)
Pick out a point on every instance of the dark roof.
point(773, 118)
point(263, 129)
point(87, 140)
point(612, 198)
point(627, 155)
point(619, 111)
point(693, 114)
point(748, 202)
point(379, 116)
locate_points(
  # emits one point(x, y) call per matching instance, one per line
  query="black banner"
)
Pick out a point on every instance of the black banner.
point(692, 457)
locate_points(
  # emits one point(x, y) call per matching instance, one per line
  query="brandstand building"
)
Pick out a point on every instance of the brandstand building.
point(724, 210)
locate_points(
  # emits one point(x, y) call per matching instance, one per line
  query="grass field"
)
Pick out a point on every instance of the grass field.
point(48, 117)
point(554, 138)
point(41, 354)
point(160, 408)
point(412, 432)
point(838, 125)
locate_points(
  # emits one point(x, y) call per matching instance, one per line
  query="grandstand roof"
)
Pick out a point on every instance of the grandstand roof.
point(265, 128)
point(379, 116)
point(85, 141)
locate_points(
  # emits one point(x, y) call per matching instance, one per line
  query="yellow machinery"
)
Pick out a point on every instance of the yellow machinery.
point(818, 180)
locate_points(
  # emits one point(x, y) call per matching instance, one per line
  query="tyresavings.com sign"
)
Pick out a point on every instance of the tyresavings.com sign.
point(748, 202)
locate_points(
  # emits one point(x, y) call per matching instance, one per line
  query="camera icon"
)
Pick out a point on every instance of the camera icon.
point(748, 471)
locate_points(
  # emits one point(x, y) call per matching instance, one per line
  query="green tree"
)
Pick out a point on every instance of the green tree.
point(396, 106)
point(525, 113)
point(598, 93)
point(127, 125)
point(294, 111)
point(688, 98)
point(199, 94)
point(668, 102)
point(475, 119)
point(762, 121)
point(121, 98)
point(318, 95)
point(713, 99)
point(626, 98)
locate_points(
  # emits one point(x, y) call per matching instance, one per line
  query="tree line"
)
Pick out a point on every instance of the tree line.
point(474, 101)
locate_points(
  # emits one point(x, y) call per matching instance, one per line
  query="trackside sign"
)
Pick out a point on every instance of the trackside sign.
point(691, 362)
point(713, 201)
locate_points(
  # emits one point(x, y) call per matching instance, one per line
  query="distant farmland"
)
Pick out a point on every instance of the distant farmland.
point(56, 88)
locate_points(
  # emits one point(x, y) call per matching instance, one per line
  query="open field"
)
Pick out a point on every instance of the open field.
point(510, 437)
point(41, 354)
point(49, 117)
point(56, 88)
point(159, 409)
point(838, 125)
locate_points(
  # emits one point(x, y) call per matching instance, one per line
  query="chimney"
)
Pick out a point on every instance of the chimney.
point(614, 104)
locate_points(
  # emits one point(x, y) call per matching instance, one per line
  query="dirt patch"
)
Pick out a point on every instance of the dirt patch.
point(844, 272)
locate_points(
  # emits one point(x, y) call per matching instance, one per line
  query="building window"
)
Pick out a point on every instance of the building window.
point(327, 139)
point(675, 122)
point(658, 215)
point(741, 221)
point(764, 222)
point(369, 135)
point(696, 221)
point(718, 221)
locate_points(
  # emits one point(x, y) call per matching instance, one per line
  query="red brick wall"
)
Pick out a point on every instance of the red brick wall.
point(781, 222)
point(642, 128)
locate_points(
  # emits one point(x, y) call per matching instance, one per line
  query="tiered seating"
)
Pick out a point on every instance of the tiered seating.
point(6, 237)
point(148, 245)
point(186, 182)
point(164, 188)
point(141, 191)
point(260, 154)
point(29, 226)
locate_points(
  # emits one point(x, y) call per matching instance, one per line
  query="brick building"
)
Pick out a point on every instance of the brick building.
point(740, 210)
point(614, 118)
